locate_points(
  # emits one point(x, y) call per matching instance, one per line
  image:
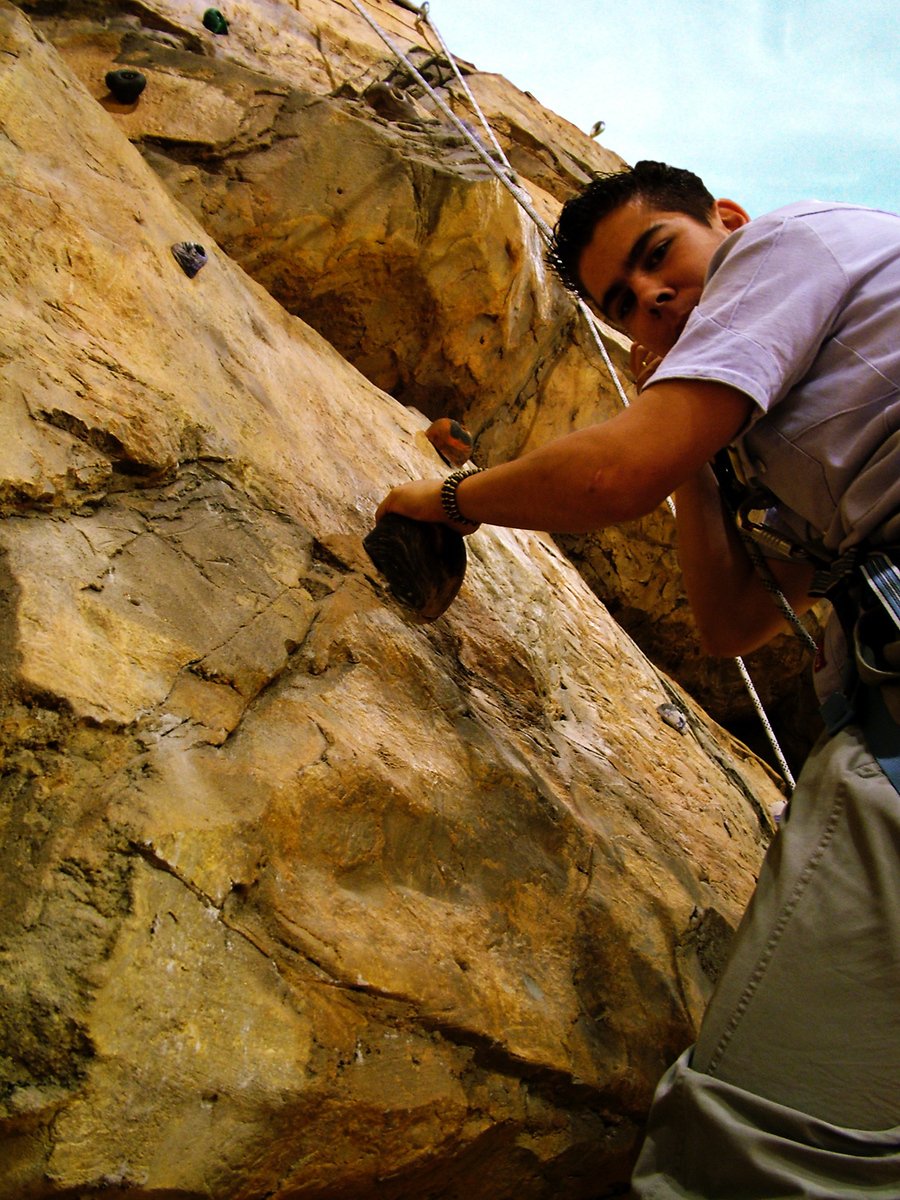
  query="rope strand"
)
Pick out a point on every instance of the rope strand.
point(770, 732)
point(769, 583)
point(485, 124)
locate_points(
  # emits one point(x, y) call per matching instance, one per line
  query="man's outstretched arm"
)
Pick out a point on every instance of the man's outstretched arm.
point(623, 468)
point(597, 476)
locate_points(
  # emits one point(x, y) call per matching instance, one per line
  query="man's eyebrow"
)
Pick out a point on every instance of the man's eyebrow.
point(634, 256)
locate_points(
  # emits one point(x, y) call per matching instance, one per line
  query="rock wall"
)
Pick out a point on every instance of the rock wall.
point(299, 897)
point(329, 174)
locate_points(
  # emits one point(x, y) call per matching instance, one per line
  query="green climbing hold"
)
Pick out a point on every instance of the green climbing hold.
point(214, 21)
point(125, 84)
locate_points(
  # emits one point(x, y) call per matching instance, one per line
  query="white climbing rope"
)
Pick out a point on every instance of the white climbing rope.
point(770, 732)
point(461, 79)
point(505, 174)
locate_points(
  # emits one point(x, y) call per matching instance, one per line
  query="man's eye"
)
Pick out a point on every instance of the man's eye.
point(625, 305)
point(656, 255)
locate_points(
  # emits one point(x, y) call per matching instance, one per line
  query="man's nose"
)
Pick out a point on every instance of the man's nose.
point(653, 296)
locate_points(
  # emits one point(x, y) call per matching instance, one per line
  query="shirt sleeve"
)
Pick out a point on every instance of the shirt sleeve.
point(773, 293)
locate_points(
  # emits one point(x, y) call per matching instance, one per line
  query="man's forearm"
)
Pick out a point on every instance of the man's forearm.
point(573, 485)
point(597, 476)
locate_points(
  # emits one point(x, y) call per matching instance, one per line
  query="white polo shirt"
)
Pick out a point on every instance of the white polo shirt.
point(801, 311)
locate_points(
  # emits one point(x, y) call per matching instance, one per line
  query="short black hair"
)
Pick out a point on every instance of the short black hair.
point(669, 188)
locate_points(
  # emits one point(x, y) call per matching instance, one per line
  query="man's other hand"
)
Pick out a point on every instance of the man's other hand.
point(642, 363)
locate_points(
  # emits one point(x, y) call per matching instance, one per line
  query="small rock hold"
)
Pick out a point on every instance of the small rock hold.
point(190, 256)
point(391, 103)
point(214, 21)
point(673, 715)
point(452, 442)
point(125, 84)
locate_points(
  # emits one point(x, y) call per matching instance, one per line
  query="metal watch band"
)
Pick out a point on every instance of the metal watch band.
point(448, 494)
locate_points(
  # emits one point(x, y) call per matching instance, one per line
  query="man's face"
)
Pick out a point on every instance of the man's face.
point(644, 268)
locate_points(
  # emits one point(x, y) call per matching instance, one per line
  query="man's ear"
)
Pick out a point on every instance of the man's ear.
point(731, 214)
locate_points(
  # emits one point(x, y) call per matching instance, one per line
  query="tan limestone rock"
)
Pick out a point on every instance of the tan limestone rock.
point(300, 898)
point(387, 233)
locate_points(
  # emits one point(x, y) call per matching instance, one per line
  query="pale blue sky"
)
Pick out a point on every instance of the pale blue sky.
point(769, 100)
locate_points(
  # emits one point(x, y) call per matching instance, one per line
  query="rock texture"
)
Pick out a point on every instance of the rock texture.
point(379, 226)
point(322, 167)
point(300, 898)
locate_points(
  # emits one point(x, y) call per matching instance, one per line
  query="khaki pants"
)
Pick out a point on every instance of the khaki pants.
point(793, 1087)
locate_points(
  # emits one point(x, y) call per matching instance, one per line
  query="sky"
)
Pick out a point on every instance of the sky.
point(769, 101)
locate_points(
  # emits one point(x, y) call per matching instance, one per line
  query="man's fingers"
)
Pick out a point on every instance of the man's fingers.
point(642, 363)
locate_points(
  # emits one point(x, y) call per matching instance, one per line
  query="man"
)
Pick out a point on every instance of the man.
point(776, 338)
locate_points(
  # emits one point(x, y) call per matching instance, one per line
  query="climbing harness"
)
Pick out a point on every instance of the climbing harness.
point(864, 589)
point(506, 176)
point(856, 669)
point(769, 582)
point(751, 511)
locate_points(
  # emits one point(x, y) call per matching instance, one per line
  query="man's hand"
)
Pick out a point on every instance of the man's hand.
point(420, 500)
point(642, 363)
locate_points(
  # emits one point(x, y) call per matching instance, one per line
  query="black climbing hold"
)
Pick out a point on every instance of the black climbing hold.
point(191, 257)
point(424, 563)
point(214, 21)
point(125, 84)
